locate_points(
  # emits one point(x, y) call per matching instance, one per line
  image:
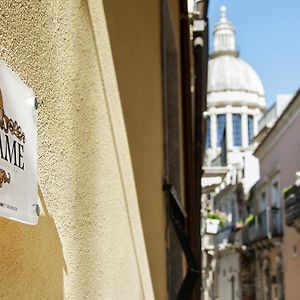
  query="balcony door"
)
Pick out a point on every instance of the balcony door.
point(263, 216)
point(232, 280)
point(263, 201)
point(276, 203)
point(275, 194)
point(279, 275)
point(267, 280)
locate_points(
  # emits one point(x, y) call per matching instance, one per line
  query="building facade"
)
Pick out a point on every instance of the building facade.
point(107, 75)
point(263, 231)
point(278, 155)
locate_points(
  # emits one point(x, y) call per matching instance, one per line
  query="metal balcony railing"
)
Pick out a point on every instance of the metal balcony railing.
point(263, 220)
point(292, 205)
point(266, 225)
point(225, 235)
point(249, 233)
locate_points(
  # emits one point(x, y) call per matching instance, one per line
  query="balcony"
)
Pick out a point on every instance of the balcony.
point(249, 233)
point(292, 206)
point(225, 236)
point(264, 226)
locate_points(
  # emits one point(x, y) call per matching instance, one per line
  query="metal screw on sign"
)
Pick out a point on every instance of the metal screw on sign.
point(36, 104)
point(37, 210)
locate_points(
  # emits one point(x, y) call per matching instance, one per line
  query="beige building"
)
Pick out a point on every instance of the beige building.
point(113, 83)
point(278, 154)
point(261, 261)
point(264, 229)
point(269, 241)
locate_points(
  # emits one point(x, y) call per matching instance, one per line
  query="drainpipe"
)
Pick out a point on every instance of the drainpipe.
point(193, 134)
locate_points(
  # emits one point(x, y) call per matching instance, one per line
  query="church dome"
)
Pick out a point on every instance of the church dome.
point(229, 73)
point(231, 81)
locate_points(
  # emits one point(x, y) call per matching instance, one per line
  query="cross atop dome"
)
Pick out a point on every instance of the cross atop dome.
point(223, 11)
point(224, 36)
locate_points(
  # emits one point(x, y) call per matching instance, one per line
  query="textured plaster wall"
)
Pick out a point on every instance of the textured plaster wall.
point(88, 243)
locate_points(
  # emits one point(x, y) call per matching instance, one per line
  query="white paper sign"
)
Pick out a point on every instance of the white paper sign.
point(18, 149)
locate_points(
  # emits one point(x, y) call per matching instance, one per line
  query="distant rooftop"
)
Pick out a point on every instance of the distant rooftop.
point(272, 114)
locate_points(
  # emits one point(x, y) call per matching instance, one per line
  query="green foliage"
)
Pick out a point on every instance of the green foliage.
point(287, 189)
point(249, 219)
point(218, 215)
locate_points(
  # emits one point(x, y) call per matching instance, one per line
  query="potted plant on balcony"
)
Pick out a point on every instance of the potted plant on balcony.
point(214, 221)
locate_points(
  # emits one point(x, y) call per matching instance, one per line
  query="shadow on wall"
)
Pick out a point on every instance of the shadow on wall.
point(32, 261)
point(134, 33)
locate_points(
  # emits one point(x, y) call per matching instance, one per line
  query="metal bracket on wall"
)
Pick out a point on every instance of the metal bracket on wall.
point(178, 217)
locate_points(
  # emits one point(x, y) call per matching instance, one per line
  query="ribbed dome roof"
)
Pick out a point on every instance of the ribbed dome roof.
point(229, 73)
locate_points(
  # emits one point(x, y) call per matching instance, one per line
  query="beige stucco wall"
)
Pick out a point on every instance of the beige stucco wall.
point(89, 242)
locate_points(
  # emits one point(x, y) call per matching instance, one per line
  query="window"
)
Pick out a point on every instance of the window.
point(279, 277)
point(237, 130)
point(276, 214)
point(268, 283)
point(263, 202)
point(275, 194)
point(208, 140)
point(221, 123)
point(250, 130)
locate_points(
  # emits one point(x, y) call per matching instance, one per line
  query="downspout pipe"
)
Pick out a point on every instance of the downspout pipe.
point(200, 45)
point(193, 132)
point(189, 172)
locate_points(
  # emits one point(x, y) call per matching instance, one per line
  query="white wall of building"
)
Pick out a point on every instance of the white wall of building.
point(229, 276)
point(251, 171)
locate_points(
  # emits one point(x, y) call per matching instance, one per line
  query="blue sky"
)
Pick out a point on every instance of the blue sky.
point(268, 38)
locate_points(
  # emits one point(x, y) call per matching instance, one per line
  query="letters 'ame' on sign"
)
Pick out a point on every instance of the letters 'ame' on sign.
point(18, 148)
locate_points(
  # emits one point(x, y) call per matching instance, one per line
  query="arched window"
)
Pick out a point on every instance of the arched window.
point(237, 130)
point(279, 275)
point(232, 281)
point(267, 280)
